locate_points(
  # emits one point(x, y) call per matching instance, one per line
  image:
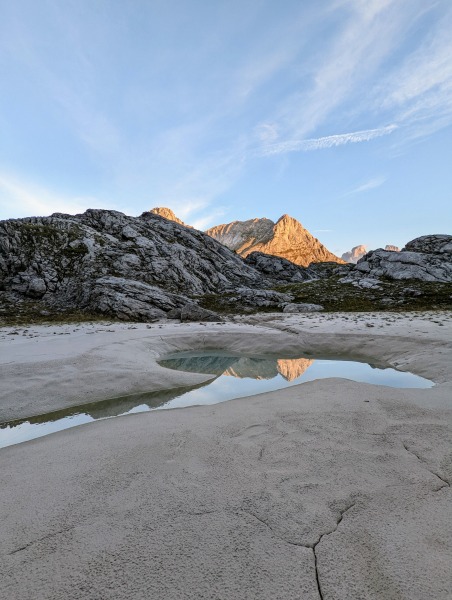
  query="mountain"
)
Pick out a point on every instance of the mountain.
point(358, 252)
point(167, 213)
point(286, 238)
point(130, 267)
point(150, 267)
point(354, 254)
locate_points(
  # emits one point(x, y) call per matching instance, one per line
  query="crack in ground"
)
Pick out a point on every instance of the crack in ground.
point(427, 466)
point(310, 546)
point(314, 546)
point(49, 535)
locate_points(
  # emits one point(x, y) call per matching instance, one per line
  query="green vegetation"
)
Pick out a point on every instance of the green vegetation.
point(391, 295)
point(14, 312)
point(345, 297)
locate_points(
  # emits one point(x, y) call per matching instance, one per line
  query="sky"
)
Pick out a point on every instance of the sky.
point(337, 112)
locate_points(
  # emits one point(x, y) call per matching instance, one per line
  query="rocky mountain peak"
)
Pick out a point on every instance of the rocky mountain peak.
point(287, 219)
point(167, 213)
point(287, 238)
point(353, 255)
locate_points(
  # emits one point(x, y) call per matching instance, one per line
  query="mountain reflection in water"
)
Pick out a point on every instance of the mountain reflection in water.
point(232, 377)
point(239, 366)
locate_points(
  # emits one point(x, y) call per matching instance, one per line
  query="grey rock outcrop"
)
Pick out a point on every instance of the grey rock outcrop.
point(193, 312)
point(260, 298)
point(104, 261)
point(278, 267)
point(427, 258)
point(391, 248)
point(302, 307)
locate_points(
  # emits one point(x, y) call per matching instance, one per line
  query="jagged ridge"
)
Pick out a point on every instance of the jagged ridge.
point(286, 238)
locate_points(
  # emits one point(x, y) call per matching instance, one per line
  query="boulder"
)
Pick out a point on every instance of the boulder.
point(302, 307)
point(261, 298)
point(278, 268)
point(193, 312)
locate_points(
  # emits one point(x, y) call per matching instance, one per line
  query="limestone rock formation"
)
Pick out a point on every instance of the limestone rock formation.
point(275, 265)
point(286, 238)
point(427, 258)
point(354, 254)
point(107, 262)
point(302, 307)
point(167, 213)
point(193, 312)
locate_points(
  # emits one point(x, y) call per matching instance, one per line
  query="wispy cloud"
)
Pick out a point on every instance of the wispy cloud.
point(420, 89)
point(209, 219)
point(180, 131)
point(367, 34)
point(372, 184)
point(23, 198)
point(351, 76)
point(329, 141)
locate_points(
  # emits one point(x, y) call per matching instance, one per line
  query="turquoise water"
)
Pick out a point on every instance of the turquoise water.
point(235, 377)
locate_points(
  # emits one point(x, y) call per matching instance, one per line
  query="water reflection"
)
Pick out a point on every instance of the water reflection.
point(238, 366)
point(234, 377)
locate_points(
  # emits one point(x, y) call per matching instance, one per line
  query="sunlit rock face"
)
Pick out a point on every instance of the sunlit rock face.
point(391, 248)
point(167, 213)
point(292, 368)
point(354, 254)
point(286, 238)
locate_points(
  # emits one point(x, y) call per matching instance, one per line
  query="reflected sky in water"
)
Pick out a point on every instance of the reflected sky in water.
point(235, 377)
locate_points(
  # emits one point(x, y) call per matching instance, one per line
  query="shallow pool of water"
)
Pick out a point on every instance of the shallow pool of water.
point(234, 377)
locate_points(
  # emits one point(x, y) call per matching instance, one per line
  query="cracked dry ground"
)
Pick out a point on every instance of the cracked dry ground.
point(332, 491)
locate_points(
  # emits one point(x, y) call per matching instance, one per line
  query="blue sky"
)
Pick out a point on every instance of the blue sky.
point(337, 112)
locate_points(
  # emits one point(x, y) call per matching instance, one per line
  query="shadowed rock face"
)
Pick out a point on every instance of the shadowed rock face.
point(284, 269)
point(286, 238)
point(105, 261)
point(427, 258)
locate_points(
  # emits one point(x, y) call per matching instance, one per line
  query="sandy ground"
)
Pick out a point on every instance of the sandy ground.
point(330, 489)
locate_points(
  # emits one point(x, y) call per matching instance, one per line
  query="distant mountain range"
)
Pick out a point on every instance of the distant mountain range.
point(358, 252)
point(286, 238)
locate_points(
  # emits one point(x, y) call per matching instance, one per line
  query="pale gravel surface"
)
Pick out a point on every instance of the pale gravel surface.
point(331, 489)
